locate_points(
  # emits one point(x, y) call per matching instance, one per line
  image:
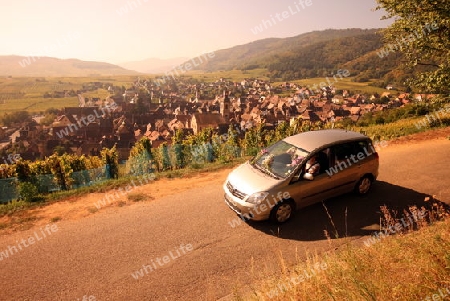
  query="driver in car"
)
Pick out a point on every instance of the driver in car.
point(313, 166)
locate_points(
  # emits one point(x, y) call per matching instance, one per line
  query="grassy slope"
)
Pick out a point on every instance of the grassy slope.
point(406, 267)
point(397, 129)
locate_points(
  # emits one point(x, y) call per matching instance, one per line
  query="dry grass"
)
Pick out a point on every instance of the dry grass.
point(139, 197)
point(410, 265)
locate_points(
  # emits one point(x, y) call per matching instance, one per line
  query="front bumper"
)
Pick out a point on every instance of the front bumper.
point(240, 207)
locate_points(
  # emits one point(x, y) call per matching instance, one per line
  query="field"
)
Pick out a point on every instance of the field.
point(26, 93)
point(342, 84)
point(233, 75)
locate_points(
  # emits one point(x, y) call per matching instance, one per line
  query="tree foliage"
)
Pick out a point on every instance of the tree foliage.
point(420, 31)
point(48, 119)
point(15, 117)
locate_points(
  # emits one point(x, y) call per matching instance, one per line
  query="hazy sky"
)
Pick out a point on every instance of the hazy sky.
point(127, 30)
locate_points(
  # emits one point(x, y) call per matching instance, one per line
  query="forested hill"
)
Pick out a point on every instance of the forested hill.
point(313, 54)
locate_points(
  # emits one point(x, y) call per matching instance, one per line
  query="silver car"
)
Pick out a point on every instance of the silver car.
point(301, 170)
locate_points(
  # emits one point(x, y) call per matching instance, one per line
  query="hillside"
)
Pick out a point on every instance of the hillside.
point(13, 65)
point(313, 54)
point(257, 52)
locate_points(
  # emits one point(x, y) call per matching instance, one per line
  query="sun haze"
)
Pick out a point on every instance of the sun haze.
point(125, 30)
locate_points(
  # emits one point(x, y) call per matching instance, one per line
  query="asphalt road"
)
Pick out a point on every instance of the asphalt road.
point(96, 256)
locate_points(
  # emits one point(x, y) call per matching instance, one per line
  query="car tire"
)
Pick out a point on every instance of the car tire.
point(282, 212)
point(363, 186)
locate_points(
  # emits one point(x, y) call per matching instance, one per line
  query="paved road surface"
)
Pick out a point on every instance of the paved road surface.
point(96, 256)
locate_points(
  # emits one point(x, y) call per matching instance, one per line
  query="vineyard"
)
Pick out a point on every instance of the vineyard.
point(32, 181)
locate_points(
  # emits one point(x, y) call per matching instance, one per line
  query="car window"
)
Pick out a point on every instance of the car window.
point(322, 158)
point(346, 150)
point(279, 159)
point(343, 151)
point(361, 147)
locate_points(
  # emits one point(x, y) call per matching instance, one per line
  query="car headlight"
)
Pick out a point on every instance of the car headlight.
point(257, 198)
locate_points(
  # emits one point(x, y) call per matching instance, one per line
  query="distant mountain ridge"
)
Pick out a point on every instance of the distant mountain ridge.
point(13, 65)
point(153, 65)
point(308, 55)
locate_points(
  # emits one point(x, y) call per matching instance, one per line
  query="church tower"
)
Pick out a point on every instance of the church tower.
point(225, 106)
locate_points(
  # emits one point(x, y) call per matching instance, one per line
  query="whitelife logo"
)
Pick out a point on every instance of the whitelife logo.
point(85, 121)
point(306, 275)
point(111, 197)
point(25, 243)
point(397, 228)
point(279, 17)
point(429, 118)
point(437, 297)
point(336, 77)
point(130, 6)
point(11, 159)
point(404, 41)
point(66, 40)
point(183, 68)
point(355, 159)
point(182, 250)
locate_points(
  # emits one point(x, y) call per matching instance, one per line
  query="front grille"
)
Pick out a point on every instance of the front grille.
point(232, 206)
point(235, 192)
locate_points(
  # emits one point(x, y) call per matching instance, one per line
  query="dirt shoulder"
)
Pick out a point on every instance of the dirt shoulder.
point(440, 133)
point(78, 207)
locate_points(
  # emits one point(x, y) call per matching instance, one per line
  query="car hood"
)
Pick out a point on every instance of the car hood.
point(249, 180)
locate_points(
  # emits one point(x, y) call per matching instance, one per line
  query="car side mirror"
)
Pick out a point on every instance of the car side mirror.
point(308, 176)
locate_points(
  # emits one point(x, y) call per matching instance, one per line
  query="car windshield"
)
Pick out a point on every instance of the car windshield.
point(279, 160)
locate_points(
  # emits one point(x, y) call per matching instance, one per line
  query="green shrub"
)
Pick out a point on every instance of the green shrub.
point(28, 192)
point(12, 207)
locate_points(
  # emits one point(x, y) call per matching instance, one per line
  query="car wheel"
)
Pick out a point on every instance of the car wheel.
point(282, 212)
point(363, 186)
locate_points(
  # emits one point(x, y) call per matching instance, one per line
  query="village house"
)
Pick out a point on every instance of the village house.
point(29, 131)
point(147, 110)
point(200, 122)
point(63, 126)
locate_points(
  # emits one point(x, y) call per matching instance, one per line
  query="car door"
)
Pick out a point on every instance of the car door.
point(367, 158)
point(344, 170)
point(306, 192)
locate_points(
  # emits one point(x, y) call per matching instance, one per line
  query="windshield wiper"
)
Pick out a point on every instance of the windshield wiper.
point(266, 171)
